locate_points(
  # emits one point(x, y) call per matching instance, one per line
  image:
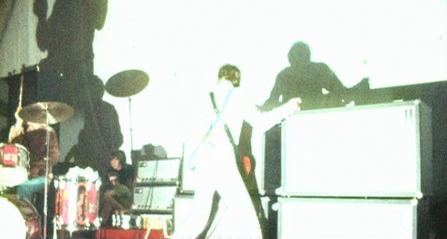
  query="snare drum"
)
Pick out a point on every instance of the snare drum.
point(14, 164)
point(19, 218)
point(76, 204)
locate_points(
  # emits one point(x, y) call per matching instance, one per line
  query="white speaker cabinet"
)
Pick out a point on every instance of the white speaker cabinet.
point(159, 170)
point(154, 198)
point(381, 150)
point(317, 218)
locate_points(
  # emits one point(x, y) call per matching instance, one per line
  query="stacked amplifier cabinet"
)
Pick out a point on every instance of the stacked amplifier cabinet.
point(157, 185)
point(356, 172)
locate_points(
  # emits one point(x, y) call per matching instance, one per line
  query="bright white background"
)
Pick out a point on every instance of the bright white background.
point(181, 45)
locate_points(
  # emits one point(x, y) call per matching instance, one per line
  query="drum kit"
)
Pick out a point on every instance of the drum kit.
point(14, 169)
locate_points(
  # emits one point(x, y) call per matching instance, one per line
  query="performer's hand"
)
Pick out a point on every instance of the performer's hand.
point(15, 132)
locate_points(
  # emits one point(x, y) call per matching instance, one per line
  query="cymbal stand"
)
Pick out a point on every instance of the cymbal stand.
point(130, 123)
point(47, 143)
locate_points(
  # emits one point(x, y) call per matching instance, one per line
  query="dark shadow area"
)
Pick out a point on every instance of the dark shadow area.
point(66, 32)
point(67, 35)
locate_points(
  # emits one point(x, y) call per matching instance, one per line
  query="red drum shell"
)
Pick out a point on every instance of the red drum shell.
point(76, 205)
point(14, 164)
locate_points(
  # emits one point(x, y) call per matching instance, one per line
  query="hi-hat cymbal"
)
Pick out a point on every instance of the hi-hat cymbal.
point(46, 112)
point(127, 83)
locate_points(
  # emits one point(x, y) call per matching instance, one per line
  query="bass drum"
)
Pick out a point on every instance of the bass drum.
point(20, 218)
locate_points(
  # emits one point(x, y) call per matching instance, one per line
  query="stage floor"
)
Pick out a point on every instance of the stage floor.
point(112, 233)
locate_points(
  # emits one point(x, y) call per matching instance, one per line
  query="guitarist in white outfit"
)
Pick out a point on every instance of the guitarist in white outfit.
point(216, 168)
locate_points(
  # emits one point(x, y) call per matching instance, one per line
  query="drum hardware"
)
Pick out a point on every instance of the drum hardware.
point(46, 113)
point(126, 84)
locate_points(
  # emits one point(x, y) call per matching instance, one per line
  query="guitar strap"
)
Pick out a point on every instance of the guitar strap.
point(227, 130)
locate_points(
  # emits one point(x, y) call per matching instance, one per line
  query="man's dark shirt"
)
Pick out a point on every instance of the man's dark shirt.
point(126, 175)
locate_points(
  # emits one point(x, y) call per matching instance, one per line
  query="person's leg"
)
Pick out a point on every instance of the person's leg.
point(109, 205)
point(28, 188)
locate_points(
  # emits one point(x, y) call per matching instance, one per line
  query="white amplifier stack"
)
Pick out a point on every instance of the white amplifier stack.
point(156, 185)
point(356, 172)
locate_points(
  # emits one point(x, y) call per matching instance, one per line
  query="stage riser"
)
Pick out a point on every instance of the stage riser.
point(112, 233)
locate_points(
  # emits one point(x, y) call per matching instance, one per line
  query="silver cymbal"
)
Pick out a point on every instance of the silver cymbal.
point(46, 112)
point(127, 83)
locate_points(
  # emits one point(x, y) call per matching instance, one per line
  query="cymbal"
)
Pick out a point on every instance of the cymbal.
point(46, 112)
point(127, 83)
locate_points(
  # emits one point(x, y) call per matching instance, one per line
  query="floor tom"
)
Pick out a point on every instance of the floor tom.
point(76, 204)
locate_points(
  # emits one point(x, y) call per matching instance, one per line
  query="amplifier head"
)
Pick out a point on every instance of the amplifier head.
point(159, 170)
point(155, 197)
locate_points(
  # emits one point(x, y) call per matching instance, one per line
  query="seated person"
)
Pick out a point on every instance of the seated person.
point(118, 193)
point(33, 138)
